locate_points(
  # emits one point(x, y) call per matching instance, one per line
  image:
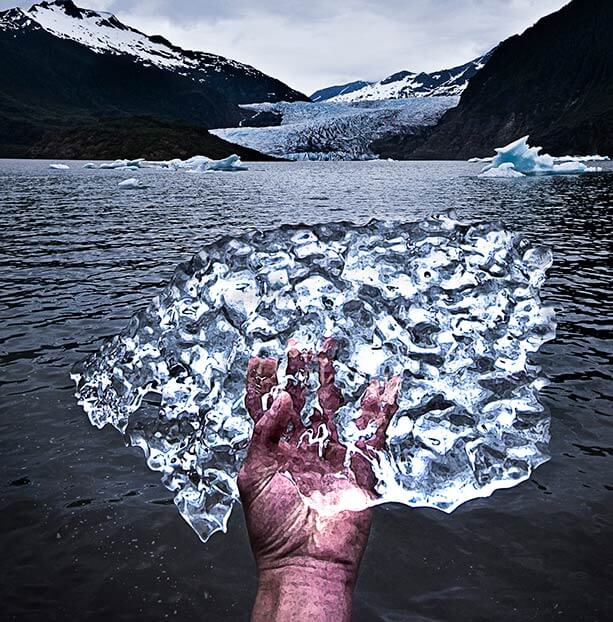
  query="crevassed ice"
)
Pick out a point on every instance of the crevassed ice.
point(452, 308)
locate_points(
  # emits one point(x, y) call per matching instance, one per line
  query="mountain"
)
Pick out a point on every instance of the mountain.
point(553, 82)
point(446, 82)
point(64, 66)
point(339, 89)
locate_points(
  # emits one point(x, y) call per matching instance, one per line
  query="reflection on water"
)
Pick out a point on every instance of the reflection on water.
point(87, 528)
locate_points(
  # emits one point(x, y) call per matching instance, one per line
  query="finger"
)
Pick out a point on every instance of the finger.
point(388, 406)
point(261, 377)
point(379, 404)
point(297, 371)
point(369, 406)
point(329, 395)
point(389, 397)
point(274, 422)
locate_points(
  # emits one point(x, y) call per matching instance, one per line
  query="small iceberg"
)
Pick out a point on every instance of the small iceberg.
point(123, 164)
point(505, 170)
point(229, 164)
point(59, 167)
point(488, 159)
point(131, 184)
point(195, 164)
point(518, 159)
point(588, 158)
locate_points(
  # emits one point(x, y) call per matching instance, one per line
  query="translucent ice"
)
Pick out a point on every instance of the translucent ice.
point(518, 157)
point(452, 309)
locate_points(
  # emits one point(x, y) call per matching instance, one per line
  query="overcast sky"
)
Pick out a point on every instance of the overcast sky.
point(310, 44)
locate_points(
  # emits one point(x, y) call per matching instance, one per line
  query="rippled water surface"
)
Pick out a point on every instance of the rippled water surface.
point(88, 532)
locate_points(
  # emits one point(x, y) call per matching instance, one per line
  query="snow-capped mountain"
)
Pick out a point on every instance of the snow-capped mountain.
point(65, 67)
point(338, 89)
point(446, 82)
point(103, 33)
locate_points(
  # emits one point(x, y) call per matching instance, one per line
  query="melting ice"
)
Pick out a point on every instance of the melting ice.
point(452, 308)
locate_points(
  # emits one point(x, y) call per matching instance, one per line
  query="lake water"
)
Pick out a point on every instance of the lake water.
point(88, 532)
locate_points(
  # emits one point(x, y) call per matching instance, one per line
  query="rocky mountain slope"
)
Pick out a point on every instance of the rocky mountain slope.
point(64, 66)
point(553, 82)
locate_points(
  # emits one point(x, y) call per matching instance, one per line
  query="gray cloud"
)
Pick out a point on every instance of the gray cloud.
point(317, 43)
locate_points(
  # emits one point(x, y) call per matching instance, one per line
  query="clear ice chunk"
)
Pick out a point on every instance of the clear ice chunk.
point(454, 309)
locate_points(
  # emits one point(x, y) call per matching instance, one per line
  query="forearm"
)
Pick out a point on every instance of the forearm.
point(304, 590)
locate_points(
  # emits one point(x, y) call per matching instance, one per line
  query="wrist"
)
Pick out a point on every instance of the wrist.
point(304, 589)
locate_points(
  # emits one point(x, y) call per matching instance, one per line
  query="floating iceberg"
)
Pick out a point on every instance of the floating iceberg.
point(89, 165)
point(178, 164)
point(526, 160)
point(131, 184)
point(195, 164)
point(59, 167)
point(451, 309)
point(505, 170)
point(588, 158)
point(231, 163)
point(123, 164)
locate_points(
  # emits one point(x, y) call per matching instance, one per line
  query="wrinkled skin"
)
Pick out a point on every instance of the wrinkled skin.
point(295, 492)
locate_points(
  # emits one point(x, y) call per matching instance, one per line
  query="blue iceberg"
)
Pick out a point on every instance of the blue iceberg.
point(518, 159)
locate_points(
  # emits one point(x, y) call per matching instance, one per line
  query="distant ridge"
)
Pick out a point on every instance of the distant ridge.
point(404, 84)
point(553, 82)
point(340, 89)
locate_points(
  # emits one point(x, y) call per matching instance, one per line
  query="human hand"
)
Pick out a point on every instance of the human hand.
point(306, 500)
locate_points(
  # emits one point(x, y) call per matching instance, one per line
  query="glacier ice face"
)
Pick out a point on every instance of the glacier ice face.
point(452, 309)
point(519, 157)
point(335, 131)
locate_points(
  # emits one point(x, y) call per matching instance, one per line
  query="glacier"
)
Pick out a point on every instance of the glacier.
point(518, 159)
point(452, 309)
point(335, 130)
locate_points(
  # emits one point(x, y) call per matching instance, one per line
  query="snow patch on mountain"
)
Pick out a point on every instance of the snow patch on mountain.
point(103, 33)
point(406, 84)
point(338, 89)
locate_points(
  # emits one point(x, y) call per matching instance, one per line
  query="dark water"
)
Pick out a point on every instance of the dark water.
point(88, 533)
